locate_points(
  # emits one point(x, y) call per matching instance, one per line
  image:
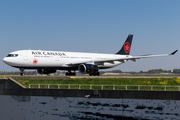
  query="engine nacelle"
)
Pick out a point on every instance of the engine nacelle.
point(88, 68)
point(46, 71)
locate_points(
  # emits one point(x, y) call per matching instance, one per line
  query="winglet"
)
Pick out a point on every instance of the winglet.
point(173, 52)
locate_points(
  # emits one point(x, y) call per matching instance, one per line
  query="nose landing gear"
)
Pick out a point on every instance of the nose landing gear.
point(22, 71)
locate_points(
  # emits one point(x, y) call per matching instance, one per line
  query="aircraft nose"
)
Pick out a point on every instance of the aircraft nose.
point(7, 61)
point(4, 60)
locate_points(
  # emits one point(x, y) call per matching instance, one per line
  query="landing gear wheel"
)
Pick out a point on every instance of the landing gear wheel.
point(22, 71)
point(94, 74)
point(22, 74)
point(70, 74)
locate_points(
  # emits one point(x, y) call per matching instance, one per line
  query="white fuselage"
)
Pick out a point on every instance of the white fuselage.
point(33, 59)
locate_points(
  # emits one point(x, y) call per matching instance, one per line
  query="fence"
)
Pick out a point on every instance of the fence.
point(111, 87)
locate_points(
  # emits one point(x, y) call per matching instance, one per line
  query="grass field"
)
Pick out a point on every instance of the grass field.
point(105, 81)
point(3, 77)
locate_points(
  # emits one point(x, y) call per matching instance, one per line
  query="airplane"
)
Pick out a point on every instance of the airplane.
point(47, 62)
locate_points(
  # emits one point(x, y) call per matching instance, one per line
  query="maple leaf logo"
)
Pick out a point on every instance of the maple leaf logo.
point(35, 61)
point(126, 47)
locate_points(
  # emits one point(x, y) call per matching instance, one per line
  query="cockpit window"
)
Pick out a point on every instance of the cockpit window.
point(12, 55)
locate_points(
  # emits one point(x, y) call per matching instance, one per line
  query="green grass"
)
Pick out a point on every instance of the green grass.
point(105, 81)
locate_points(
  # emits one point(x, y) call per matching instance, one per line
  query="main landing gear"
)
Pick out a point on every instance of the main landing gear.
point(69, 73)
point(22, 71)
point(94, 74)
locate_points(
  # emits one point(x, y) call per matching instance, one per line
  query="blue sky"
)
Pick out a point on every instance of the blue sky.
point(93, 26)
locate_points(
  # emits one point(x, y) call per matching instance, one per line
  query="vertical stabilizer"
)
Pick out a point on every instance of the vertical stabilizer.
point(125, 50)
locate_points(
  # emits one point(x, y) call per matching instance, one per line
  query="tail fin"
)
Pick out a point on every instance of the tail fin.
point(125, 50)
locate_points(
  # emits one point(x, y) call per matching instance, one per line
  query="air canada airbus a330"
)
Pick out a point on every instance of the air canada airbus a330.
point(47, 62)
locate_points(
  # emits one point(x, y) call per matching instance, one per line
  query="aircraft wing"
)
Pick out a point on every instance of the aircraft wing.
point(133, 58)
point(148, 56)
point(124, 59)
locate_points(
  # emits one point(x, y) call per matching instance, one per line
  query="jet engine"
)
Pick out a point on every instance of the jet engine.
point(46, 71)
point(88, 68)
